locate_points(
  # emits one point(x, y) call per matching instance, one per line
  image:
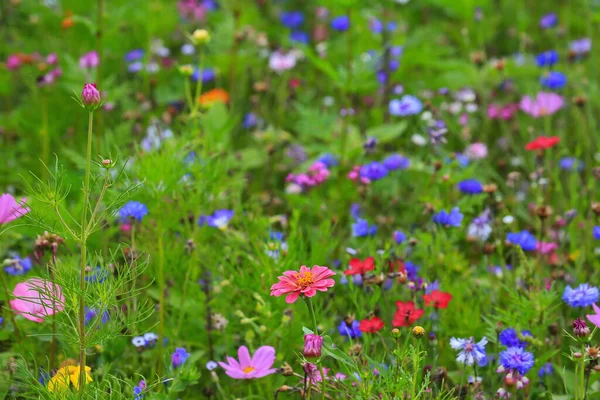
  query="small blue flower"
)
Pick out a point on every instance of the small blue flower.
point(548, 21)
point(341, 23)
point(454, 218)
point(211, 365)
point(292, 19)
point(407, 105)
point(220, 219)
point(361, 228)
point(134, 210)
point(583, 295)
point(92, 313)
point(373, 171)
point(351, 331)
point(596, 232)
point(376, 26)
point(547, 58)
point(523, 239)
point(396, 51)
point(395, 162)
point(328, 159)
point(299, 37)
point(208, 75)
point(96, 275)
point(470, 186)
point(516, 358)
point(469, 351)
point(399, 237)
point(135, 67)
point(17, 265)
point(554, 80)
point(250, 120)
point(355, 211)
point(510, 338)
point(570, 164)
point(546, 370)
point(134, 55)
point(179, 357)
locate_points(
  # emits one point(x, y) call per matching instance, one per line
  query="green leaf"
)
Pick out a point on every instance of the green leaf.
point(388, 132)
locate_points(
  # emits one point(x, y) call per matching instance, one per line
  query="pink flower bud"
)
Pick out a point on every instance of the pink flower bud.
point(312, 345)
point(90, 95)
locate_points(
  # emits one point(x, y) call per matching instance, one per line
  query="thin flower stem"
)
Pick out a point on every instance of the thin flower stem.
point(199, 83)
point(83, 245)
point(188, 93)
point(45, 137)
point(98, 203)
point(161, 302)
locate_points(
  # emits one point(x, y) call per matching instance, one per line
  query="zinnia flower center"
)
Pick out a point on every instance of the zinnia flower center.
point(249, 369)
point(304, 279)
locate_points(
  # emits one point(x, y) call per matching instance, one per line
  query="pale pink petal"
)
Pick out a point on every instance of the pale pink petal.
point(244, 357)
point(261, 373)
point(263, 358)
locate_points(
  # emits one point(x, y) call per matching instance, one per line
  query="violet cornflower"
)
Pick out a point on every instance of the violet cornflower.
point(454, 218)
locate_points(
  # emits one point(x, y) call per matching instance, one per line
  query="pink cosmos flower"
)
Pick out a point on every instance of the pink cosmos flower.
point(546, 247)
point(37, 299)
point(249, 368)
point(595, 318)
point(544, 104)
point(89, 60)
point(10, 209)
point(305, 282)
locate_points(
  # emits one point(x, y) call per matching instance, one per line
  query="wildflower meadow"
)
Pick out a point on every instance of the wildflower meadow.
point(299, 199)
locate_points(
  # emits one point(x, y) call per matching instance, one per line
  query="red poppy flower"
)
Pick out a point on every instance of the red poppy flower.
point(406, 313)
point(371, 325)
point(437, 299)
point(542, 143)
point(397, 266)
point(359, 267)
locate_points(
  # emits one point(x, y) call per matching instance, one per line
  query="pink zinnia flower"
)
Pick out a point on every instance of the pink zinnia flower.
point(544, 104)
point(595, 318)
point(305, 282)
point(10, 209)
point(249, 368)
point(37, 299)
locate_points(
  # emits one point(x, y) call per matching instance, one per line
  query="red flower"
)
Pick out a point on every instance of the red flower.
point(437, 299)
point(406, 313)
point(542, 143)
point(371, 325)
point(397, 266)
point(359, 267)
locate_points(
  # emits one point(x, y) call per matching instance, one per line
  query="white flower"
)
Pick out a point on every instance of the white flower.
point(418, 140)
point(280, 62)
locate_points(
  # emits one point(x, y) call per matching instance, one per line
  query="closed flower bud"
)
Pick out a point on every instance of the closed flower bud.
point(200, 36)
point(286, 370)
point(312, 345)
point(186, 70)
point(418, 332)
point(396, 332)
point(107, 163)
point(90, 96)
point(580, 328)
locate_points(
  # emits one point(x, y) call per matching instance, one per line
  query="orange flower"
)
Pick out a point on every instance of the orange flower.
point(67, 23)
point(214, 96)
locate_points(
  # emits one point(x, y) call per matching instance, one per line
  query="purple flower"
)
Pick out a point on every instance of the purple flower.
point(570, 163)
point(341, 23)
point(516, 358)
point(219, 219)
point(581, 47)
point(596, 232)
point(399, 237)
point(583, 295)
point(510, 338)
point(548, 21)
point(470, 352)
point(250, 120)
point(361, 228)
point(299, 37)
point(407, 105)
point(208, 75)
point(134, 55)
point(395, 162)
point(547, 58)
point(292, 19)
point(17, 265)
point(328, 159)
point(92, 313)
point(546, 370)
point(351, 331)
point(179, 357)
point(554, 80)
point(454, 218)
point(373, 171)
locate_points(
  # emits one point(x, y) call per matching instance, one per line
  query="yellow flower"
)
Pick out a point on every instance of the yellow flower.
point(66, 375)
point(200, 36)
point(418, 332)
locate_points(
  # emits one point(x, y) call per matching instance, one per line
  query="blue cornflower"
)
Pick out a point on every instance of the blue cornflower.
point(470, 186)
point(547, 58)
point(351, 331)
point(179, 357)
point(92, 313)
point(219, 219)
point(396, 51)
point(510, 338)
point(411, 270)
point(292, 19)
point(208, 75)
point(373, 171)
point(341, 23)
point(596, 232)
point(134, 210)
point(554, 80)
point(517, 358)
point(454, 218)
point(355, 211)
point(399, 237)
point(395, 162)
point(135, 67)
point(250, 120)
point(583, 295)
point(570, 163)
point(17, 265)
point(328, 159)
point(548, 20)
point(470, 352)
point(546, 370)
point(523, 239)
point(299, 37)
point(407, 105)
point(96, 275)
point(393, 65)
point(137, 391)
point(376, 26)
point(134, 55)
point(361, 228)
point(370, 143)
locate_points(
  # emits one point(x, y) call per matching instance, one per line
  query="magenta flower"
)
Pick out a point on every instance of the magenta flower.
point(250, 368)
point(13, 62)
point(37, 299)
point(312, 345)
point(595, 318)
point(89, 60)
point(90, 95)
point(544, 104)
point(305, 282)
point(10, 209)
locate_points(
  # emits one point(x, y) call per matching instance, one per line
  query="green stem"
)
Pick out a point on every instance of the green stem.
point(199, 83)
point(83, 245)
point(415, 371)
point(161, 301)
point(188, 93)
point(99, 34)
point(45, 137)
